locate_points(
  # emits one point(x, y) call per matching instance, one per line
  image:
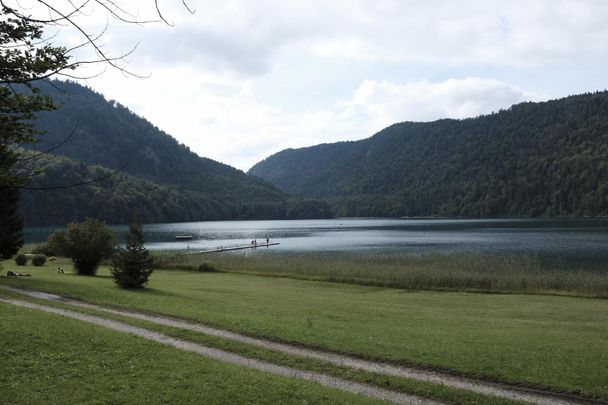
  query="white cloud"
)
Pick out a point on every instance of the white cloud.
point(249, 36)
point(514, 33)
point(381, 103)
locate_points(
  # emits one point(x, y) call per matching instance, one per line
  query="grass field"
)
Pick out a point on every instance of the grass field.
point(51, 359)
point(435, 272)
point(417, 388)
point(548, 341)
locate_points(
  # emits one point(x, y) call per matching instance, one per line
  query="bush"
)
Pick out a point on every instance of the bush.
point(56, 243)
point(131, 267)
point(21, 260)
point(206, 267)
point(86, 244)
point(39, 260)
point(44, 249)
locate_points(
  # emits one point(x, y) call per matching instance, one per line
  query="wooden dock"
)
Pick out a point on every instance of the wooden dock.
point(242, 247)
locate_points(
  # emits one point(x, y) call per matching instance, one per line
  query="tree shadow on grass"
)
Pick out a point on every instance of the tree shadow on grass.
point(105, 276)
point(149, 291)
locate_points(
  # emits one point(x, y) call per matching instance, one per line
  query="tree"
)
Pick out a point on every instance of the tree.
point(132, 266)
point(20, 60)
point(86, 244)
point(11, 224)
point(27, 56)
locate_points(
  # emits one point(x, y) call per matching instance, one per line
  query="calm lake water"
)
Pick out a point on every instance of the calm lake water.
point(563, 240)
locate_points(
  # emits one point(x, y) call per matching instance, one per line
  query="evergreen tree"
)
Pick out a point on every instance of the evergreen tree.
point(11, 223)
point(132, 266)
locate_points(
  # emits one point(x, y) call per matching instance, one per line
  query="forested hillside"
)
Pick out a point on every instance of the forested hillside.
point(548, 158)
point(159, 179)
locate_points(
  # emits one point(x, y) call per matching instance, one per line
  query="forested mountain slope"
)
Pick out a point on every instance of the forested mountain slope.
point(119, 197)
point(548, 158)
point(160, 179)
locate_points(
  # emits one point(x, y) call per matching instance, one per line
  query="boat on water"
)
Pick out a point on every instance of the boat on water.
point(183, 237)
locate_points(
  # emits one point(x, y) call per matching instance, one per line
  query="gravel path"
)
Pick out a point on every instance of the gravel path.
point(478, 386)
point(232, 358)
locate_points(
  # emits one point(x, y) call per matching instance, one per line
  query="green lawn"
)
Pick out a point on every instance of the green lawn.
point(52, 359)
point(417, 388)
point(557, 342)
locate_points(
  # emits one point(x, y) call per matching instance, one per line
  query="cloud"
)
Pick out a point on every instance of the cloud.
point(514, 33)
point(381, 103)
point(249, 37)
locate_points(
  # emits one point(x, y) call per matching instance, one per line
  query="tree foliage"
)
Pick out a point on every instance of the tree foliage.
point(132, 266)
point(21, 59)
point(86, 244)
point(38, 260)
point(533, 159)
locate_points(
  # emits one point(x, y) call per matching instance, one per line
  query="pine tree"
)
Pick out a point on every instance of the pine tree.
point(132, 266)
point(11, 223)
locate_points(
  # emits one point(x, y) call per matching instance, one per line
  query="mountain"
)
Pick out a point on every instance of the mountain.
point(548, 158)
point(148, 172)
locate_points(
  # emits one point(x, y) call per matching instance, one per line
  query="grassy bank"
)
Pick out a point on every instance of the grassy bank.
point(438, 272)
point(547, 341)
point(51, 359)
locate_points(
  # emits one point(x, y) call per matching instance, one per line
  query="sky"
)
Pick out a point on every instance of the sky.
point(240, 80)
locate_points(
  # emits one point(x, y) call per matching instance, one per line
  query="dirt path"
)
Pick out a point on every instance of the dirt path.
point(478, 386)
point(231, 358)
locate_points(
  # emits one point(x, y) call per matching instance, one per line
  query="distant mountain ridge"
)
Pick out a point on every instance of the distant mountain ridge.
point(548, 158)
point(160, 179)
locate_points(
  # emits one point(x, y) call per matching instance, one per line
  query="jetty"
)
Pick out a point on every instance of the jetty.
point(240, 247)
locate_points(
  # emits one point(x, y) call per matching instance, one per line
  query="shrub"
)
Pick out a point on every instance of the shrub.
point(86, 244)
point(131, 267)
point(206, 267)
point(56, 243)
point(45, 249)
point(39, 260)
point(21, 260)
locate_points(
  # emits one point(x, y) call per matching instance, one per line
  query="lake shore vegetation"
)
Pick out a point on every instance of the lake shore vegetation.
point(465, 272)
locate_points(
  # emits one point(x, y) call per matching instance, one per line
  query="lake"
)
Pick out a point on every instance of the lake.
point(566, 241)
